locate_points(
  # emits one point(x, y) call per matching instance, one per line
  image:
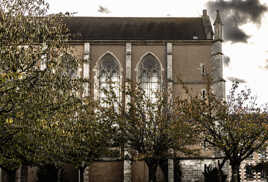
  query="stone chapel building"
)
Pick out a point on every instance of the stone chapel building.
point(170, 47)
point(173, 47)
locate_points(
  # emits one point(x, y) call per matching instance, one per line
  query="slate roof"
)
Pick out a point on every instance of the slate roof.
point(135, 28)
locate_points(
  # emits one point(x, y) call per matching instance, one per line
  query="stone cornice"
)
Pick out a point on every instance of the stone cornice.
point(143, 42)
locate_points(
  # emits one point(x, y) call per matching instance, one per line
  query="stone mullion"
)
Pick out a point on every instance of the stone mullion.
point(127, 155)
point(170, 88)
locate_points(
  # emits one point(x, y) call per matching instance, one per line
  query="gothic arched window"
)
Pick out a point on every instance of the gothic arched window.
point(69, 65)
point(150, 75)
point(109, 76)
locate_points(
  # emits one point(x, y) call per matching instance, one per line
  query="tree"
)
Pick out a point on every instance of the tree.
point(236, 126)
point(86, 136)
point(37, 82)
point(148, 127)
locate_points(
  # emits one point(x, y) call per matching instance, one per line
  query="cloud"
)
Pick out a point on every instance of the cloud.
point(103, 10)
point(236, 13)
point(234, 79)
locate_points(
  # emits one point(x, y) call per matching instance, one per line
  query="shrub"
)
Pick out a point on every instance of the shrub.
point(214, 174)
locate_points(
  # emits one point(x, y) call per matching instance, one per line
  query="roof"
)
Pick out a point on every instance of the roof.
point(135, 28)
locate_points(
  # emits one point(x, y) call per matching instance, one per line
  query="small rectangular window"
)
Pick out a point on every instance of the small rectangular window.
point(203, 93)
point(203, 69)
point(249, 172)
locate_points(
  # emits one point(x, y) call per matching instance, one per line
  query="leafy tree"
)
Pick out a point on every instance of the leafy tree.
point(85, 136)
point(149, 127)
point(37, 85)
point(236, 126)
point(43, 117)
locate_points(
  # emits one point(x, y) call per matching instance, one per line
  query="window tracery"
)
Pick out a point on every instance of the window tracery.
point(109, 76)
point(69, 65)
point(150, 76)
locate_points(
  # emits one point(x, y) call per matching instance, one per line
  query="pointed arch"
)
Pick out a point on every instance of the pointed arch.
point(149, 74)
point(145, 54)
point(96, 67)
point(108, 72)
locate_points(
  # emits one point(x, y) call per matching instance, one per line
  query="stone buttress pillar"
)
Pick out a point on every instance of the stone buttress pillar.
point(86, 87)
point(127, 155)
point(86, 69)
point(170, 91)
point(217, 58)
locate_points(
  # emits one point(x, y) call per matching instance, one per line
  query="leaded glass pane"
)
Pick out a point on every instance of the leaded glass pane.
point(150, 76)
point(70, 66)
point(109, 76)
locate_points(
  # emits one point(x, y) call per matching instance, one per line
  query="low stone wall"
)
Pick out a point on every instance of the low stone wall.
point(189, 170)
point(110, 171)
point(192, 169)
point(140, 172)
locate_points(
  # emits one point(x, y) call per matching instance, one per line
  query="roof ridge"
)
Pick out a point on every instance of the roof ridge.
point(134, 17)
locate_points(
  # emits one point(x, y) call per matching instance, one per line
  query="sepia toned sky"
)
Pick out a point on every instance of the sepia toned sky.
point(245, 30)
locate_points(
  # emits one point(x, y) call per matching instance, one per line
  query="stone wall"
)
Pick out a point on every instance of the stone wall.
point(253, 176)
point(192, 169)
point(110, 171)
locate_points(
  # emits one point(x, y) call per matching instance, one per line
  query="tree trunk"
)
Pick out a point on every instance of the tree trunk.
point(81, 174)
point(152, 173)
point(152, 166)
point(59, 174)
point(235, 172)
point(11, 176)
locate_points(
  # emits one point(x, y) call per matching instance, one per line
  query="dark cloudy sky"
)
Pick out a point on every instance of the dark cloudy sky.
point(236, 13)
